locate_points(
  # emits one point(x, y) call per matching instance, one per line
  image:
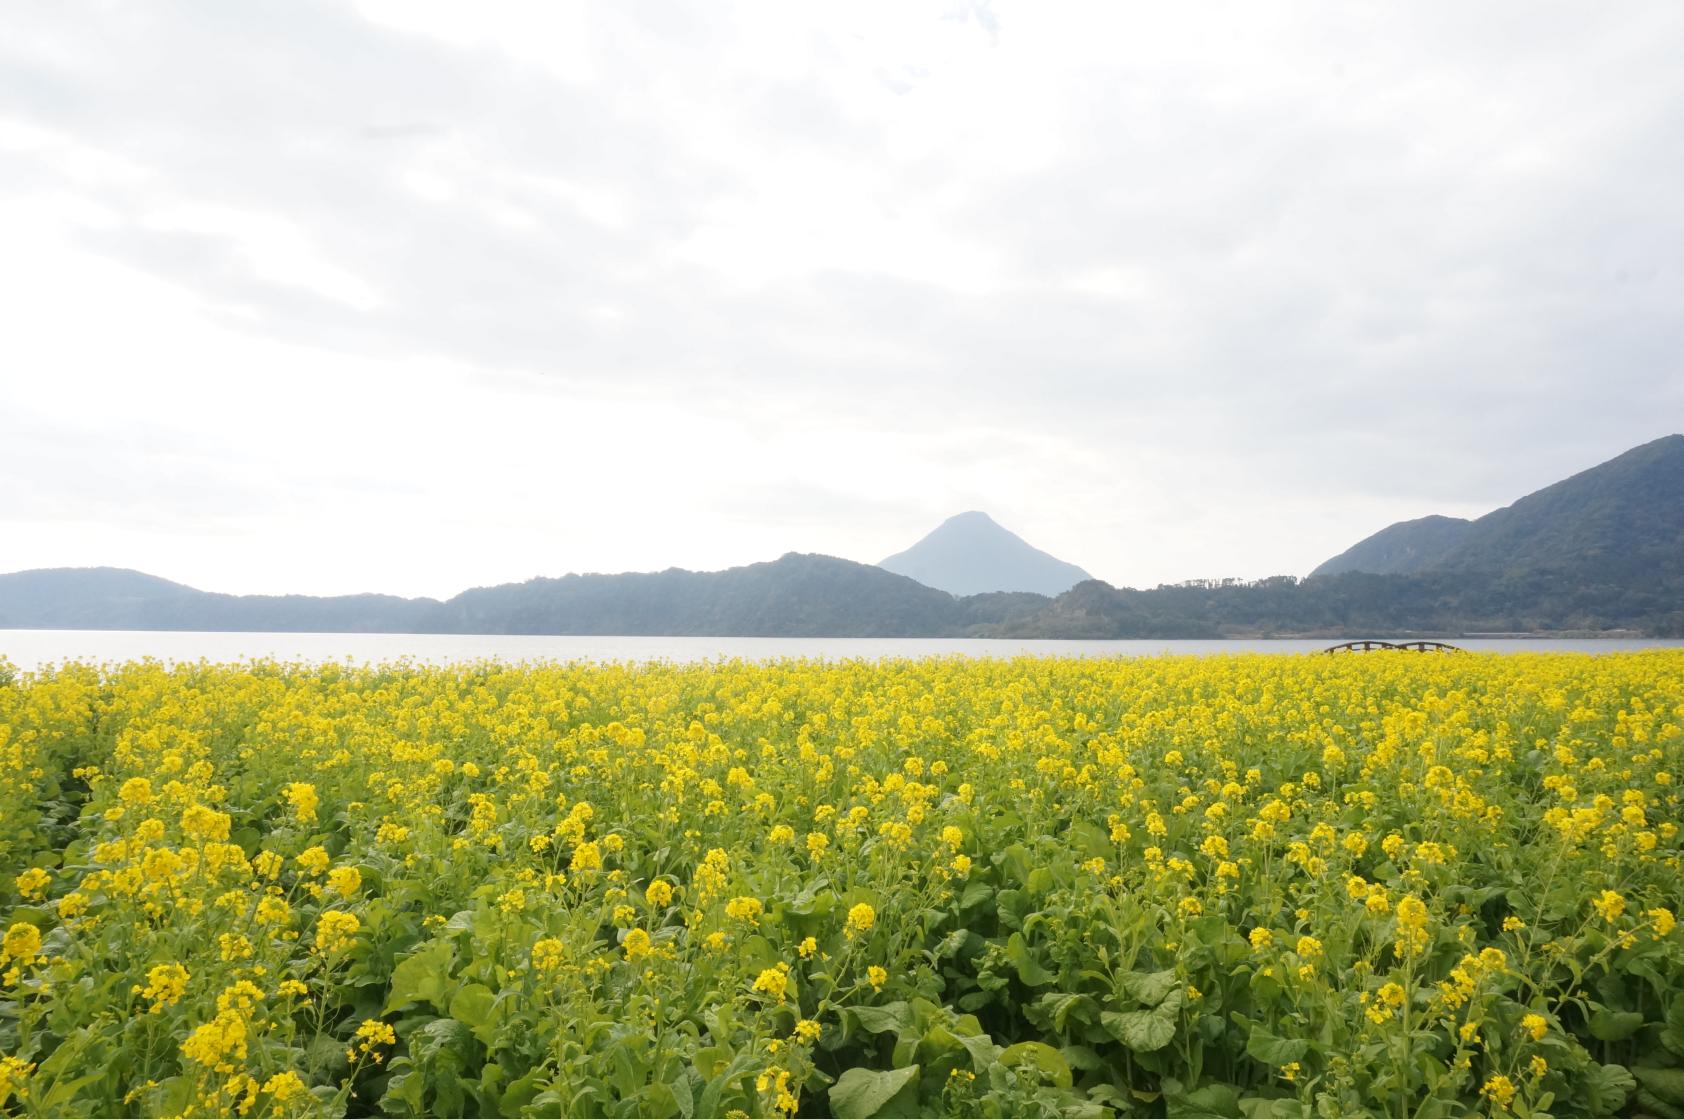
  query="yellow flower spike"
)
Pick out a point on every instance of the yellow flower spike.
point(22, 943)
point(32, 884)
point(636, 945)
point(345, 881)
point(1500, 1090)
point(745, 909)
point(284, 1086)
point(861, 918)
point(165, 984)
point(335, 930)
point(303, 799)
point(773, 982)
point(370, 1038)
point(1608, 905)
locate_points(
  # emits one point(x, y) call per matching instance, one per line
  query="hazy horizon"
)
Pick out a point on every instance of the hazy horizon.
point(559, 574)
point(403, 297)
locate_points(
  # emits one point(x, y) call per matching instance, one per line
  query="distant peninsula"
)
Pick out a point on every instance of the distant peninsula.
point(1600, 552)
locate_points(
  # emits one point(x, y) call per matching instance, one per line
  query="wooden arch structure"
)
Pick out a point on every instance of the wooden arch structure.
point(1411, 646)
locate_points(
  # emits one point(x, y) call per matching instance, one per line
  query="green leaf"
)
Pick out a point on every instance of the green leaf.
point(1212, 1101)
point(658, 1102)
point(684, 1095)
point(1265, 988)
point(982, 1049)
point(860, 1092)
point(815, 898)
point(324, 1055)
point(1029, 969)
point(1011, 905)
point(473, 1006)
point(1144, 1031)
point(708, 1105)
point(1015, 862)
point(1606, 1087)
point(1673, 1036)
point(438, 1038)
point(422, 976)
point(710, 1061)
point(894, 1017)
point(1059, 1005)
point(1090, 839)
point(956, 942)
point(757, 952)
point(1042, 1056)
point(937, 1040)
point(1645, 969)
point(1149, 988)
point(520, 1093)
point(1271, 1050)
point(1654, 1105)
point(488, 1090)
point(1081, 1057)
point(1667, 1083)
point(407, 1086)
point(1256, 1107)
point(64, 1091)
point(1614, 1025)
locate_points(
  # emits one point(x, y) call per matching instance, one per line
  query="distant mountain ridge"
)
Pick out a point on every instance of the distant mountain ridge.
point(972, 554)
point(1402, 548)
point(1623, 518)
point(1600, 551)
point(116, 598)
point(794, 596)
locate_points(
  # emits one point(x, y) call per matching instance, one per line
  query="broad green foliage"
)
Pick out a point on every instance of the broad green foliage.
point(1397, 885)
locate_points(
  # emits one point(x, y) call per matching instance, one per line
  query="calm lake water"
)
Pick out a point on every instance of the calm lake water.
point(31, 648)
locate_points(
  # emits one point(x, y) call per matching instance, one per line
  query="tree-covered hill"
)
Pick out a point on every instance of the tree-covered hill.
point(1618, 521)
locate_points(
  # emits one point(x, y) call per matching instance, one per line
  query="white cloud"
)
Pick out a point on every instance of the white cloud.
point(331, 297)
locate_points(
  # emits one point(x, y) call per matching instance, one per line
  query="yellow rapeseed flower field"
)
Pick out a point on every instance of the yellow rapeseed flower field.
point(1250, 887)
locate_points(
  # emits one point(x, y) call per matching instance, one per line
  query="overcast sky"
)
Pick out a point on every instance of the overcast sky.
point(412, 296)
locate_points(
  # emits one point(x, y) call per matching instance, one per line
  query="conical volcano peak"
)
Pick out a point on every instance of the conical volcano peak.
point(970, 553)
point(973, 520)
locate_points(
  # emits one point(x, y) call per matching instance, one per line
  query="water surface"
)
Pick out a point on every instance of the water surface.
point(31, 648)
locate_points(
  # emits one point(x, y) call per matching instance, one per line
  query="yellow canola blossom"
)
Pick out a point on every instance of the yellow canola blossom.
point(1154, 869)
